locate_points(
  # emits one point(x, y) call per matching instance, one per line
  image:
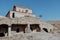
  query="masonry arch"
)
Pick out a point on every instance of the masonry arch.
point(45, 29)
point(5, 25)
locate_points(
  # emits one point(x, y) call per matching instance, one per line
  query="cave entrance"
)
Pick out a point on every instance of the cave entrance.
point(19, 27)
point(45, 29)
point(3, 30)
point(2, 34)
point(35, 27)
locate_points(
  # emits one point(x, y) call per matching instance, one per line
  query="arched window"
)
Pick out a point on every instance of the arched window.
point(13, 15)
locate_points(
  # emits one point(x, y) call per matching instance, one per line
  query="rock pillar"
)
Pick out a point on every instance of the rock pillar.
point(9, 31)
point(28, 30)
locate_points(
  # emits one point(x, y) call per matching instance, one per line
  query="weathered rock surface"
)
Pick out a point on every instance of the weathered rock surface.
point(34, 36)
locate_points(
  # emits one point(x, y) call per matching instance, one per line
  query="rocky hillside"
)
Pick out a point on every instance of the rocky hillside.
point(34, 36)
